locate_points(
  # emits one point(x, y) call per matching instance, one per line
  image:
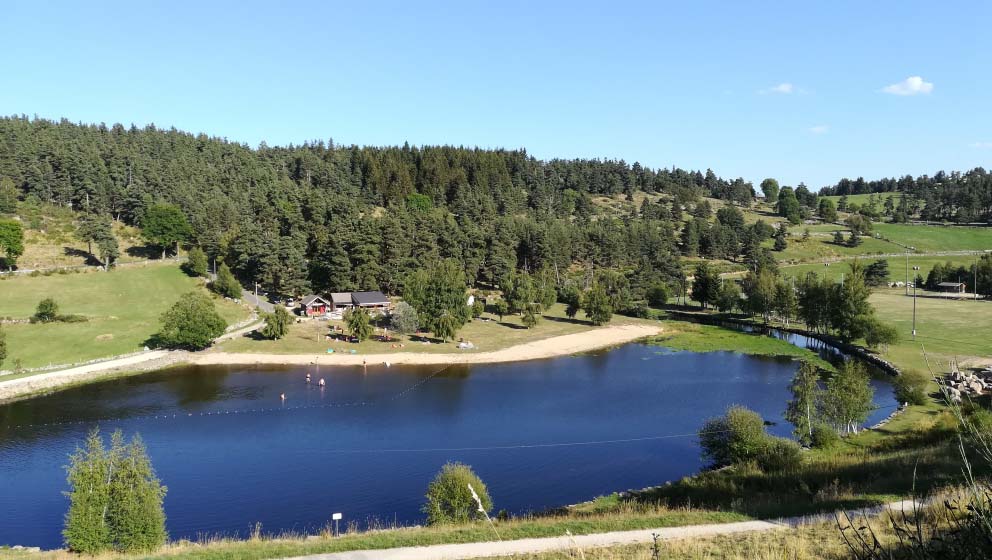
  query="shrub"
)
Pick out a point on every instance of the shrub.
point(733, 438)
point(911, 386)
point(47, 311)
point(658, 295)
point(824, 436)
point(226, 284)
point(196, 263)
point(779, 454)
point(404, 319)
point(449, 499)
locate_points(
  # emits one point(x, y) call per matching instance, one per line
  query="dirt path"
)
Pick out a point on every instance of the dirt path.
point(598, 540)
point(546, 348)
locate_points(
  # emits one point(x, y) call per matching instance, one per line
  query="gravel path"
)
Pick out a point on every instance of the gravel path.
point(598, 540)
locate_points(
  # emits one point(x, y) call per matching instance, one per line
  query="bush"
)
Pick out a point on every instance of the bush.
point(911, 387)
point(779, 454)
point(47, 311)
point(658, 295)
point(478, 308)
point(404, 319)
point(824, 436)
point(115, 499)
point(733, 438)
point(192, 323)
point(196, 263)
point(226, 284)
point(449, 499)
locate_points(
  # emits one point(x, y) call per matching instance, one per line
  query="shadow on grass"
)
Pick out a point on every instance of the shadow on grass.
point(568, 320)
point(89, 259)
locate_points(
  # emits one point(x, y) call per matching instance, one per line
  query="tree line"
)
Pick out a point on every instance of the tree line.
point(324, 217)
point(961, 197)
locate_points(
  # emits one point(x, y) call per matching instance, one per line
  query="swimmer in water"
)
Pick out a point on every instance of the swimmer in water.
point(321, 382)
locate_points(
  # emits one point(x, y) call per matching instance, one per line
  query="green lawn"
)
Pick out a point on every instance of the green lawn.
point(307, 337)
point(937, 238)
point(693, 337)
point(947, 328)
point(897, 266)
point(122, 307)
point(820, 247)
point(862, 199)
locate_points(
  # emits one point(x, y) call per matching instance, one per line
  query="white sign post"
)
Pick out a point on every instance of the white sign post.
point(336, 517)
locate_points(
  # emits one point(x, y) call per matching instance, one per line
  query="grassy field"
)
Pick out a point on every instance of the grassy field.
point(863, 198)
point(487, 334)
point(822, 246)
point(693, 337)
point(122, 308)
point(897, 266)
point(937, 238)
point(947, 328)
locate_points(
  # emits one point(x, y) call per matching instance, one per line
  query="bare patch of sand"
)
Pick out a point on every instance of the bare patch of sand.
point(546, 348)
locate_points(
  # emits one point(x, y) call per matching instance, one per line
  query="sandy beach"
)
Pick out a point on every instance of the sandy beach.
point(564, 345)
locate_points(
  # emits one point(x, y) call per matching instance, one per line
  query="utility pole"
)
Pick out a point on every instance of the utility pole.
point(915, 268)
point(907, 274)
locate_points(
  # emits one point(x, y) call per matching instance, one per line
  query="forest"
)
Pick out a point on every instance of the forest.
point(953, 197)
point(325, 217)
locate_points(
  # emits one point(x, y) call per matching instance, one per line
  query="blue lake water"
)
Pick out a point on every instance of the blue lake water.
point(233, 454)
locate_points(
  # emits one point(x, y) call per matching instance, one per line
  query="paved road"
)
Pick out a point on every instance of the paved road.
point(527, 546)
point(259, 302)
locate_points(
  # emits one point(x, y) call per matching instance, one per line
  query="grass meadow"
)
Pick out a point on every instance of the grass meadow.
point(122, 308)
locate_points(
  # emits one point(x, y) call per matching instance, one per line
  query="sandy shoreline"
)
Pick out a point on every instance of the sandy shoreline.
point(564, 345)
point(539, 349)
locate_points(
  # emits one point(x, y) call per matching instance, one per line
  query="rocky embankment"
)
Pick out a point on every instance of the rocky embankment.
point(960, 384)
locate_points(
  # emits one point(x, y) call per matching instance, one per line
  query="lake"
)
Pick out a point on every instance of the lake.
point(540, 434)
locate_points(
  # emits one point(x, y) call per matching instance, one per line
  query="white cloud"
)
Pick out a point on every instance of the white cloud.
point(819, 129)
point(982, 145)
point(913, 85)
point(784, 88)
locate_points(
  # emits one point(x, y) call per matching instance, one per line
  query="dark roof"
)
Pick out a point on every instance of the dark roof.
point(311, 299)
point(341, 298)
point(369, 298)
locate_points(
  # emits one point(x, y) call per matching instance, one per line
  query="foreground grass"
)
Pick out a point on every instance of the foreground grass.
point(630, 518)
point(488, 333)
point(122, 308)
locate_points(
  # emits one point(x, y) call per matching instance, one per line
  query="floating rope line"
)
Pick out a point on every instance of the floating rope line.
point(176, 415)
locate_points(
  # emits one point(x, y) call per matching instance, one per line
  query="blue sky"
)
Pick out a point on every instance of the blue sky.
point(794, 90)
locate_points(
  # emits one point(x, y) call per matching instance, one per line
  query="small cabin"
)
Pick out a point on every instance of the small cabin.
point(341, 301)
point(373, 301)
point(951, 287)
point(314, 305)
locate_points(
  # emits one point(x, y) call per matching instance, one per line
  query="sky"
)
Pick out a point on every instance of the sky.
point(807, 91)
